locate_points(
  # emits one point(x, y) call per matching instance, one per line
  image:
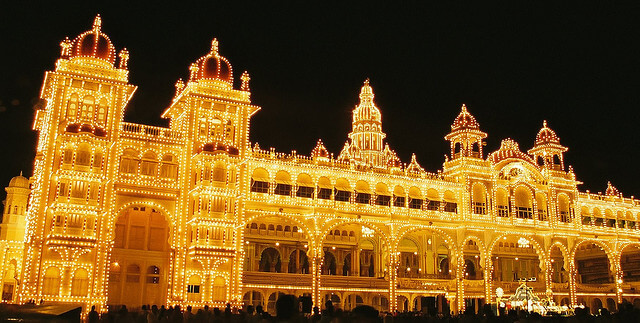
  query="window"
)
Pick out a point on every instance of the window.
point(399, 201)
point(282, 189)
point(324, 193)
point(342, 196)
point(586, 220)
point(80, 283)
point(433, 205)
point(129, 162)
point(153, 275)
point(72, 108)
point(304, 191)
point(193, 289)
point(451, 207)
point(259, 186)
point(384, 200)
point(149, 165)
point(51, 282)
point(363, 198)
point(169, 167)
point(415, 203)
point(83, 156)
point(133, 273)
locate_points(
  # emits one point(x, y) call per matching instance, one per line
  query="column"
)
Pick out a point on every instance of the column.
point(316, 267)
point(393, 281)
point(460, 285)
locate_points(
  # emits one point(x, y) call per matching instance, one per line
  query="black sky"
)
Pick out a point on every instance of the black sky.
point(514, 64)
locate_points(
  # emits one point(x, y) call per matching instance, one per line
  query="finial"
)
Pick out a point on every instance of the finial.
point(544, 123)
point(97, 23)
point(124, 58)
point(66, 46)
point(464, 108)
point(245, 81)
point(179, 86)
point(214, 46)
point(20, 173)
point(194, 71)
point(366, 82)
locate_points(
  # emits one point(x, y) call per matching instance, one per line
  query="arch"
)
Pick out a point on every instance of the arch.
point(260, 180)
point(83, 154)
point(382, 189)
point(80, 283)
point(564, 214)
point(559, 263)
point(129, 161)
point(270, 260)
point(542, 257)
point(169, 166)
point(479, 198)
point(628, 261)
point(253, 297)
point(329, 264)
point(523, 202)
point(86, 108)
point(502, 203)
point(596, 305)
point(51, 282)
point(72, 107)
point(193, 288)
point(219, 292)
point(596, 276)
point(336, 223)
point(299, 226)
point(149, 165)
point(541, 203)
point(415, 192)
point(342, 184)
point(283, 183)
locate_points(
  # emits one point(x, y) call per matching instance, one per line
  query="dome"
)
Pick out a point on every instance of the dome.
point(465, 121)
point(19, 181)
point(213, 66)
point(320, 150)
point(546, 136)
point(94, 43)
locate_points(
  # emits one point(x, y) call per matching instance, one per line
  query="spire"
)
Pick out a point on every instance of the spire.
point(214, 46)
point(124, 58)
point(97, 24)
point(245, 81)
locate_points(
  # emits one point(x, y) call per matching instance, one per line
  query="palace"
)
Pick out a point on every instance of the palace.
point(195, 214)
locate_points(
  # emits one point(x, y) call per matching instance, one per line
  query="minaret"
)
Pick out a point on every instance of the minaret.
point(465, 136)
point(547, 150)
point(15, 209)
point(367, 138)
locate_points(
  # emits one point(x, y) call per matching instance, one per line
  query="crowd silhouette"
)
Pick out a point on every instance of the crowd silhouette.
point(288, 310)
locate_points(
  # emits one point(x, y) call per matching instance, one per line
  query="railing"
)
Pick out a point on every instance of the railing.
point(280, 279)
point(354, 282)
point(150, 131)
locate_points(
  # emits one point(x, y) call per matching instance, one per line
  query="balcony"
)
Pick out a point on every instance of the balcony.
point(278, 279)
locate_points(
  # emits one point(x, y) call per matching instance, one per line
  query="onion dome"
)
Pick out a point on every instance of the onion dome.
point(611, 190)
point(367, 110)
point(19, 181)
point(465, 121)
point(509, 148)
point(212, 67)
point(93, 43)
point(546, 136)
point(320, 150)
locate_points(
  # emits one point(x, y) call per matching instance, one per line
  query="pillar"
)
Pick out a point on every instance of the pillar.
point(316, 267)
point(393, 280)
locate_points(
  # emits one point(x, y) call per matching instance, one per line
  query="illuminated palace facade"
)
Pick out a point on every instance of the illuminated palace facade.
point(194, 214)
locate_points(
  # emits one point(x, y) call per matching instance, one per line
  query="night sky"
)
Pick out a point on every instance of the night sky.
point(513, 65)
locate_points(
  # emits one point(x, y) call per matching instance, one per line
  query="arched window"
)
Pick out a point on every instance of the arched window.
point(415, 198)
point(149, 166)
point(305, 186)
point(68, 156)
point(399, 196)
point(51, 282)
point(86, 109)
point(479, 199)
point(133, 273)
point(219, 172)
point(153, 275)
point(169, 167)
point(523, 203)
point(541, 201)
point(260, 181)
point(563, 208)
point(72, 108)
point(102, 112)
point(129, 162)
point(283, 183)
point(502, 203)
point(193, 289)
point(80, 283)
point(83, 155)
point(219, 289)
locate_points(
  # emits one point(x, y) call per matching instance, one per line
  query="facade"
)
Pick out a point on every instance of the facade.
point(194, 214)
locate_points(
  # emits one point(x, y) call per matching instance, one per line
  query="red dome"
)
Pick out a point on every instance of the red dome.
point(214, 67)
point(465, 121)
point(546, 135)
point(94, 43)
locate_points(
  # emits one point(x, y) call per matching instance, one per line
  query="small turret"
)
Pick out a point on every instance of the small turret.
point(15, 209)
point(466, 136)
point(547, 150)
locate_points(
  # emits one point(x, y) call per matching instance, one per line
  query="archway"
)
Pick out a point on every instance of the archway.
point(592, 264)
point(140, 258)
point(276, 241)
point(596, 305)
point(629, 263)
point(517, 259)
point(354, 250)
point(473, 269)
point(425, 253)
point(253, 298)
